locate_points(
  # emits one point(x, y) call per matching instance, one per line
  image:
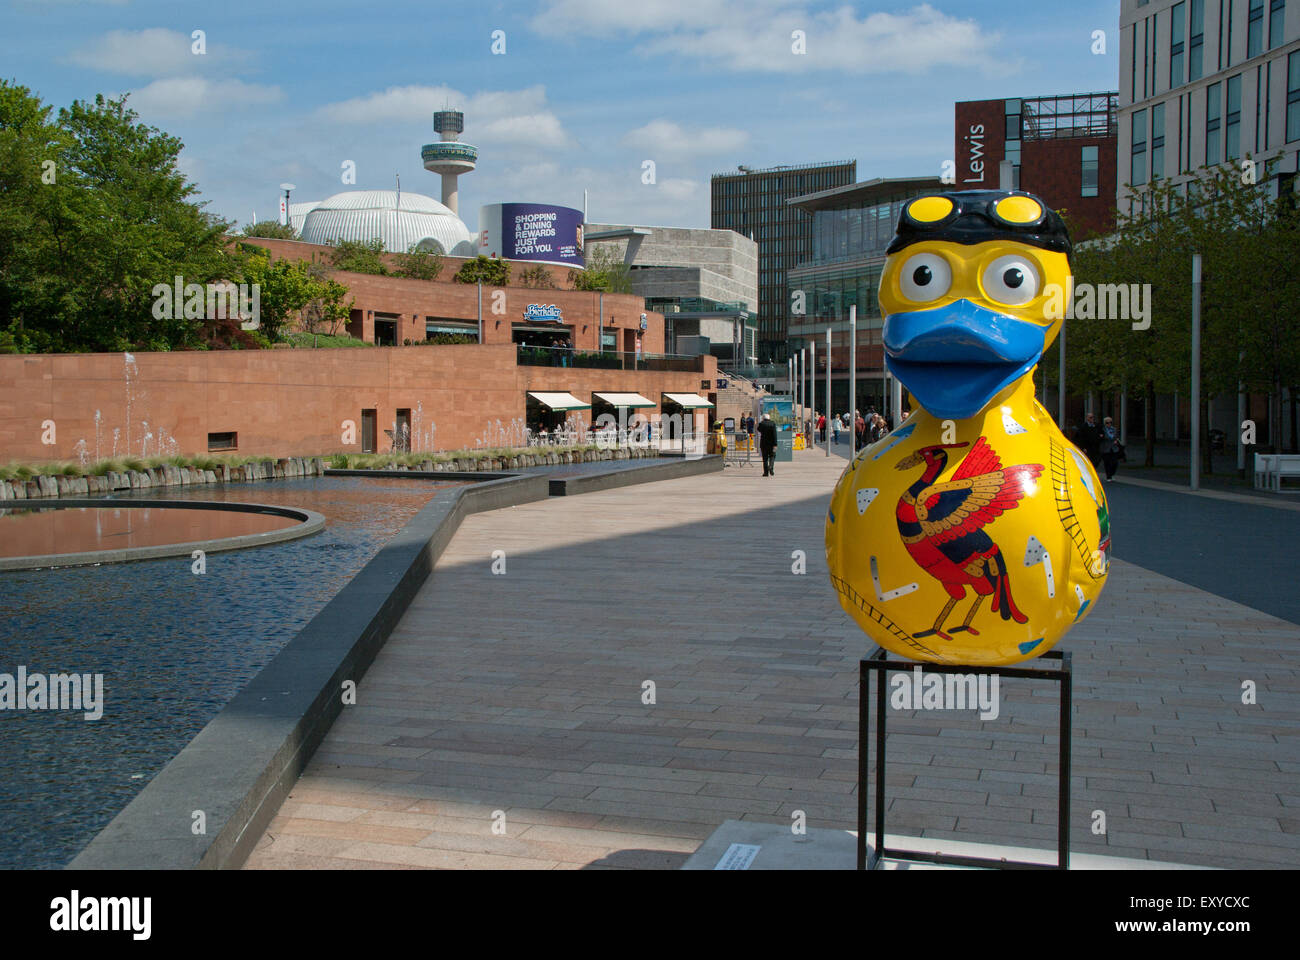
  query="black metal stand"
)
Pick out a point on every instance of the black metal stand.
point(880, 664)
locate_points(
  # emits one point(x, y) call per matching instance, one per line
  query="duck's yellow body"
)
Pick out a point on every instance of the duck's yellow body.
point(974, 533)
point(1062, 516)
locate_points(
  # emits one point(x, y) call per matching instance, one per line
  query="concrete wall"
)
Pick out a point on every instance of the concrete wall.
point(283, 402)
point(728, 262)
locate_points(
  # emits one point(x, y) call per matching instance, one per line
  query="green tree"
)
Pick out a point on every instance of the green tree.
point(605, 272)
point(108, 219)
point(271, 229)
point(418, 264)
point(359, 257)
point(485, 270)
point(539, 277)
point(326, 309)
point(1250, 281)
point(285, 288)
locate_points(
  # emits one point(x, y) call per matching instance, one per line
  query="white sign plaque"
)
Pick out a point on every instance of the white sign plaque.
point(738, 857)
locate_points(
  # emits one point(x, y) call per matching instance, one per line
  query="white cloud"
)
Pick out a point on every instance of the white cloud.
point(601, 17)
point(678, 189)
point(733, 35)
point(155, 52)
point(495, 116)
point(664, 138)
point(187, 96)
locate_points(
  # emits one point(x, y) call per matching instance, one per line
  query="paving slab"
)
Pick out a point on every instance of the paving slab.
point(523, 700)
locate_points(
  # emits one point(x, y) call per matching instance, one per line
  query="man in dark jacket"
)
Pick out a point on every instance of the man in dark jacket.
point(1089, 439)
point(767, 444)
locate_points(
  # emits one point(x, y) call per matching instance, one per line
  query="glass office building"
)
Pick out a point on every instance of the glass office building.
point(755, 204)
point(851, 227)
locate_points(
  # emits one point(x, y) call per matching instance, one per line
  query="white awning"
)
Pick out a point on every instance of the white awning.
point(559, 401)
point(626, 399)
point(690, 401)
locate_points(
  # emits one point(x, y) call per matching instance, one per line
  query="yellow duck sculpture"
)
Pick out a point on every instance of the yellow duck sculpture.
point(975, 532)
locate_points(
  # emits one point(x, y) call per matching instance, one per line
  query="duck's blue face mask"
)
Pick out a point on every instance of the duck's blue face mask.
point(954, 359)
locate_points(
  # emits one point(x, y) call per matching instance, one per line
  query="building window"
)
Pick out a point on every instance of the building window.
point(1146, 57)
point(1012, 109)
point(1213, 120)
point(1090, 172)
point(1196, 48)
point(1133, 68)
point(1293, 97)
point(223, 441)
point(1232, 128)
point(1276, 21)
point(1177, 34)
point(1157, 141)
point(1220, 35)
point(1227, 46)
point(1255, 29)
point(1139, 167)
point(1259, 103)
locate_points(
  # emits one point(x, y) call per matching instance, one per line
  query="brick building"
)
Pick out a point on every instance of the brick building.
point(484, 391)
point(1061, 148)
point(390, 311)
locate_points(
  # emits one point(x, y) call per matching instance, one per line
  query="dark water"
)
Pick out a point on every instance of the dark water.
point(173, 647)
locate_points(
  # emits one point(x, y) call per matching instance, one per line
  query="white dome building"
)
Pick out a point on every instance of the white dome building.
point(401, 221)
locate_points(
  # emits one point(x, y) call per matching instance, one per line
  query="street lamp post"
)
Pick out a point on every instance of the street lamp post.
point(1196, 371)
point(827, 444)
point(853, 380)
point(812, 379)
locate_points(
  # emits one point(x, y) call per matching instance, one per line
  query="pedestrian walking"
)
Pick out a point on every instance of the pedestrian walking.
point(767, 444)
point(821, 427)
point(1110, 448)
point(1089, 439)
point(859, 431)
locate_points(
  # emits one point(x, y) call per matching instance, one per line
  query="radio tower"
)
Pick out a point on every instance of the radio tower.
point(449, 157)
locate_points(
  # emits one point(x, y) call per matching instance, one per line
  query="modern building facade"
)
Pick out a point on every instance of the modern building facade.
point(1204, 83)
point(753, 204)
point(1062, 148)
point(703, 282)
point(850, 228)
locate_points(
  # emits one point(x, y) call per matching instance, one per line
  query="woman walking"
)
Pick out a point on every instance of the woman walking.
point(1109, 446)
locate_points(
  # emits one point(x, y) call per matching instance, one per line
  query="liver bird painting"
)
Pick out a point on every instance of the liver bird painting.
point(942, 527)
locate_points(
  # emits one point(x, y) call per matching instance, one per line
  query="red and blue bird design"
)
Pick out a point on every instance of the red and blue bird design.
point(942, 526)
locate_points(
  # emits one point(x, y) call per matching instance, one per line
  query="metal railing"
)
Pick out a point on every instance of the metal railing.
point(606, 359)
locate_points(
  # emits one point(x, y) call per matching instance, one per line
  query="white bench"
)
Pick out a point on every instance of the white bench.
point(1272, 469)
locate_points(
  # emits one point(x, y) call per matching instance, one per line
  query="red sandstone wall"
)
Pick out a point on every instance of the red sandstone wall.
point(284, 402)
point(414, 300)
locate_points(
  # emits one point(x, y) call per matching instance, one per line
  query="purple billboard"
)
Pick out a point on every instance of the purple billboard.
point(540, 232)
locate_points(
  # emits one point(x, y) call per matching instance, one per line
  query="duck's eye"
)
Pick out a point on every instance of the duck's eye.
point(1011, 280)
point(925, 277)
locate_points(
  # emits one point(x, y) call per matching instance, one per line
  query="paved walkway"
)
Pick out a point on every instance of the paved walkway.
point(516, 700)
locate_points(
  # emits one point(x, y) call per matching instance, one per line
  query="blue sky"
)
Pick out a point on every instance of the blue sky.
point(586, 91)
